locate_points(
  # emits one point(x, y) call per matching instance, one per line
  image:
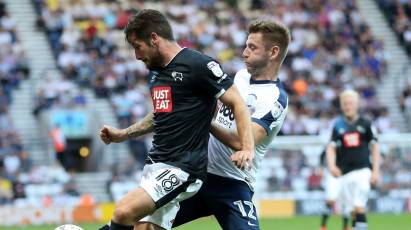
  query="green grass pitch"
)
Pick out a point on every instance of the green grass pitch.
point(376, 222)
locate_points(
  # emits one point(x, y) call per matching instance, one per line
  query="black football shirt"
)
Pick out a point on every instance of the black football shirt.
point(352, 142)
point(184, 96)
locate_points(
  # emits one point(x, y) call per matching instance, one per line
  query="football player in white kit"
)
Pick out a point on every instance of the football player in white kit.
point(227, 193)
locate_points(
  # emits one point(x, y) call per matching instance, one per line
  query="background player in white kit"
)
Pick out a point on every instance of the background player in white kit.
point(348, 156)
point(227, 193)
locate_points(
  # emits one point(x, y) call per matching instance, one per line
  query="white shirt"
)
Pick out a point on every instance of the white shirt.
point(268, 103)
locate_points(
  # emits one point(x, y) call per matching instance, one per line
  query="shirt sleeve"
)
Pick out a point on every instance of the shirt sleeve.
point(334, 136)
point(273, 120)
point(212, 78)
point(372, 135)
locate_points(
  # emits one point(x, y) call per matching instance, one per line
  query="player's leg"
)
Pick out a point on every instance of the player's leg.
point(346, 198)
point(162, 187)
point(346, 221)
point(193, 208)
point(360, 198)
point(332, 191)
point(232, 203)
point(327, 212)
point(164, 217)
point(129, 209)
point(168, 186)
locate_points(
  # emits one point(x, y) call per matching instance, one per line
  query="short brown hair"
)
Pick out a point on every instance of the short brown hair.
point(146, 22)
point(274, 33)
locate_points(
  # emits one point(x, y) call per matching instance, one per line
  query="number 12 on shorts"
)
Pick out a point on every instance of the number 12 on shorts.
point(250, 205)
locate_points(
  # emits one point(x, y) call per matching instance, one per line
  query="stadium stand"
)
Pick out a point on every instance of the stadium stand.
point(332, 48)
point(19, 178)
point(398, 14)
point(13, 69)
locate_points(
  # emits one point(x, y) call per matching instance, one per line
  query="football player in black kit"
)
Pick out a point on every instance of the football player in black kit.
point(348, 156)
point(185, 86)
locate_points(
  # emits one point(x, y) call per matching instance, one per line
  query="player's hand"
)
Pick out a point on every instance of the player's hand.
point(110, 134)
point(321, 173)
point(243, 159)
point(335, 171)
point(374, 178)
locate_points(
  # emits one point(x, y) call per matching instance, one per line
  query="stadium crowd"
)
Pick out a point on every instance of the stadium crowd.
point(398, 14)
point(16, 168)
point(332, 48)
point(13, 69)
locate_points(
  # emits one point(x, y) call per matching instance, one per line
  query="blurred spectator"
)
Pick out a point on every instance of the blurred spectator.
point(399, 17)
point(405, 99)
point(71, 189)
point(314, 181)
point(325, 55)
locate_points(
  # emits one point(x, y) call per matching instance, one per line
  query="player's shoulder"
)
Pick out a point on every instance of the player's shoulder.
point(243, 73)
point(283, 96)
point(195, 57)
point(365, 121)
point(339, 122)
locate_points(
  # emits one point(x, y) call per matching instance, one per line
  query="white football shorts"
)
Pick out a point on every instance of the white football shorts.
point(332, 187)
point(167, 185)
point(356, 188)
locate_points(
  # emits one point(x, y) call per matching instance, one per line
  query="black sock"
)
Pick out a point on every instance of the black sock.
point(353, 221)
point(115, 226)
point(360, 222)
point(105, 227)
point(345, 221)
point(327, 212)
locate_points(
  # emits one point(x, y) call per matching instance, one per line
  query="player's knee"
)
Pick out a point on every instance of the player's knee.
point(330, 202)
point(359, 210)
point(122, 214)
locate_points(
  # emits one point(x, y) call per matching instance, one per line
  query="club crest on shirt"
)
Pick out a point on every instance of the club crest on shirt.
point(250, 102)
point(177, 76)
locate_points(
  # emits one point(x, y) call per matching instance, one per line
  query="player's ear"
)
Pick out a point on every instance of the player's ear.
point(274, 52)
point(154, 39)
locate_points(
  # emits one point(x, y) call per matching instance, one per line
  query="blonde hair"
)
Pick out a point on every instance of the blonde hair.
point(350, 93)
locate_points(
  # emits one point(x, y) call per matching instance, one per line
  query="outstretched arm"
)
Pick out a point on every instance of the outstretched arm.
point(232, 140)
point(109, 134)
point(233, 100)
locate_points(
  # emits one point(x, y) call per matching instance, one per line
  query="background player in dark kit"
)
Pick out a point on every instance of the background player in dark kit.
point(227, 193)
point(185, 86)
point(332, 189)
point(348, 155)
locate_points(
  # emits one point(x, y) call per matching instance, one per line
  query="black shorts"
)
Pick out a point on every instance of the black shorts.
point(229, 200)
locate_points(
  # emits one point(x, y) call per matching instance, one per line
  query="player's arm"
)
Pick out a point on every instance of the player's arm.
point(232, 140)
point(331, 159)
point(233, 100)
point(375, 156)
point(109, 134)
